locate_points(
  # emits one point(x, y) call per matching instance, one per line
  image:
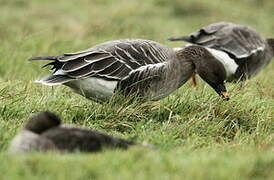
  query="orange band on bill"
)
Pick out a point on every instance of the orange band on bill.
point(225, 94)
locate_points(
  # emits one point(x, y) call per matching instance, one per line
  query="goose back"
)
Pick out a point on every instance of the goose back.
point(237, 40)
point(112, 60)
point(243, 44)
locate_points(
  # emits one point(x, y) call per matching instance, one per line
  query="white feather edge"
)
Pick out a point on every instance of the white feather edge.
point(40, 81)
point(254, 51)
point(228, 63)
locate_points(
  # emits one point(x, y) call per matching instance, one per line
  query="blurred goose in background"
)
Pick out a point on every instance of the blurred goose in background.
point(241, 50)
point(133, 66)
point(44, 132)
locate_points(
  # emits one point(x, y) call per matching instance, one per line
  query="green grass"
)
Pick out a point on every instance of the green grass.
point(198, 135)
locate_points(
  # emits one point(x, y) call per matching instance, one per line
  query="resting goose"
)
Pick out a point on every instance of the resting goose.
point(242, 51)
point(138, 66)
point(44, 132)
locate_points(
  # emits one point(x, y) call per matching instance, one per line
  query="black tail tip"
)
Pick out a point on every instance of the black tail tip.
point(42, 121)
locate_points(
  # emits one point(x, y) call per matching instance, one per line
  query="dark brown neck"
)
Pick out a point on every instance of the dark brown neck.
point(196, 55)
point(183, 66)
point(270, 42)
point(192, 52)
point(203, 63)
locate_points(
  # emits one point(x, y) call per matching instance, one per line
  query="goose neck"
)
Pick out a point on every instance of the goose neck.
point(182, 68)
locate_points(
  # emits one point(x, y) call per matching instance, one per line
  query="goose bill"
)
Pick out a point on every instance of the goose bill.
point(225, 95)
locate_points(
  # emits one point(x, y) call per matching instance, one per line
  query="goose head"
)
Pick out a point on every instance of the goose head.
point(207, 66)
point(41, 121)
point(270, 42)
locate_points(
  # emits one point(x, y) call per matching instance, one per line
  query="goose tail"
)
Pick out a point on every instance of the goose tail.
point(183, 38)
point(43, 58)
point(53, 80)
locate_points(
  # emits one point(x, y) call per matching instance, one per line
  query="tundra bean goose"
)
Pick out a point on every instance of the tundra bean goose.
point(242, 51)
point(44, 132)
point(143, 67)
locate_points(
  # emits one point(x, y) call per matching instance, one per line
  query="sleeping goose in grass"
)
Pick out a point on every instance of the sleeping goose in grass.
point(44, 132)
point(241, 50)
point(133, 66)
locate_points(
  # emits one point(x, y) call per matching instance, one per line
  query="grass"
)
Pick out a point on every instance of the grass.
point(199, 136)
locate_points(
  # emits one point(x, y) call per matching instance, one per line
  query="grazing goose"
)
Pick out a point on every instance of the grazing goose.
point(44, 132)
point(138, 66)
point(242, 51)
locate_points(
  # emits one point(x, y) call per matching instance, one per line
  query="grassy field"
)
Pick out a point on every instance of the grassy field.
point(198, 135)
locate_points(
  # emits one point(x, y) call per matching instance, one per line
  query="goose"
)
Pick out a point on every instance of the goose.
point(133, 66)
point(242, 51)
point(44, 132)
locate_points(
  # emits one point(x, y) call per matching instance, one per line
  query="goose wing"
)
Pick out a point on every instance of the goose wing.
point(144, 81)
point(237, 40)
point(113, 60)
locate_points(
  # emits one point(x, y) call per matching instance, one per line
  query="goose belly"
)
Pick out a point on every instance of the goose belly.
point(93, 88)
point(228, 63)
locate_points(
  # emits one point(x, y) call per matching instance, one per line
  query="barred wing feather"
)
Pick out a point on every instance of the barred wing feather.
point(113, 60)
